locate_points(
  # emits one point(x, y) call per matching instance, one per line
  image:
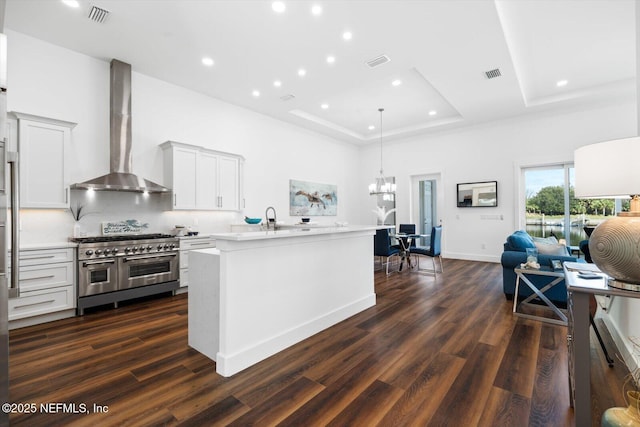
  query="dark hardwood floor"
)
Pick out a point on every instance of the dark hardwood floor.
point(433, 351)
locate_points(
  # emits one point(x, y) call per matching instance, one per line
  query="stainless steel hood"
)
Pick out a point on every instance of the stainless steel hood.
point(121, 178)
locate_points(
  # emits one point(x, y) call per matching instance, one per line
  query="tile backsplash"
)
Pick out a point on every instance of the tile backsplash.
point(57, 225)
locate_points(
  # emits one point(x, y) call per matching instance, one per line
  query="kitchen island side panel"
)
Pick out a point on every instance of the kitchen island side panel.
point(277, 292)
point(204, 301)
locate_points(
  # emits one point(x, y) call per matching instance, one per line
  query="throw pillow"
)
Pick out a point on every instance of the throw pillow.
point(520, 241)
point(551, 249)
point(551, 240)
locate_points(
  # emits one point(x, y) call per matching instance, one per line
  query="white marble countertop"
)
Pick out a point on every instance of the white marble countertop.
point(290, 232)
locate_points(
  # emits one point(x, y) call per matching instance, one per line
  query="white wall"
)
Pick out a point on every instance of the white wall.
point(49, 81)
point(493, 151)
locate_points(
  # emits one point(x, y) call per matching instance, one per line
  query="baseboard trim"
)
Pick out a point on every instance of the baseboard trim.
point(230, 364)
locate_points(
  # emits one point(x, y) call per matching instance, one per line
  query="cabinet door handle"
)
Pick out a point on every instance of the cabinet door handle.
point(34, 303)
point(175, 199)
point(66, 195)
point(24, 258)
point(50, 276)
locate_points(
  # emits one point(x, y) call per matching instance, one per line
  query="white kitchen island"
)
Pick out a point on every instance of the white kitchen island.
point(258, 293)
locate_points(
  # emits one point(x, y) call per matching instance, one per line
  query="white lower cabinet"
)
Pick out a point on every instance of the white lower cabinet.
point(188, 244)
point(47, 287)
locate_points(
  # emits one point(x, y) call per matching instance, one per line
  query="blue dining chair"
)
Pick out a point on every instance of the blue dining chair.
point(382, 246)
point(432, 251)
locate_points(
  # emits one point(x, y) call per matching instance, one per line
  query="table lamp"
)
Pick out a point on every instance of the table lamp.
point(607, 170)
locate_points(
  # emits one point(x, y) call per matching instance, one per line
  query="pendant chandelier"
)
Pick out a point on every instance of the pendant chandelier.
point(381, 185)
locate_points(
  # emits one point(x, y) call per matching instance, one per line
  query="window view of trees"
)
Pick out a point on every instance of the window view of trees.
point(545, 205)
point(550, 201)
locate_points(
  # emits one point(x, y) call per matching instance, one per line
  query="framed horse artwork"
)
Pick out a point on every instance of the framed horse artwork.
point(311, 198)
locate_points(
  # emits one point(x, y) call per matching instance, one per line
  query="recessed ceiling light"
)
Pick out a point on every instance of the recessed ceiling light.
point(561, 83)
point(278, 6)
point(277, 83)
point(347, 35)
point(433, 112)
point(331, 59)
point(371, 127)
point(396, 82)
point(207, 61)
point(324, 106)
point(71, 3)
point(302, 72)
point(255, 93)
point(316, 9)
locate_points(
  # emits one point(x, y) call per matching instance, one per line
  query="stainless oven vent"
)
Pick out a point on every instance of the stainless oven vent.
point(97, 14)
point(121, 177)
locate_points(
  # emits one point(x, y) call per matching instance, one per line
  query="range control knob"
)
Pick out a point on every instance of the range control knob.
point(106, 251)
point(159, 247)
point(89, 252)
point(134, 249)
point(114, 251)
point(98, 251)
point(127, 250)
point(173, 245)
point(149, 247)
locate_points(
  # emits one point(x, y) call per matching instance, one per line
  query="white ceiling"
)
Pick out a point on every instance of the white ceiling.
point(439, 49)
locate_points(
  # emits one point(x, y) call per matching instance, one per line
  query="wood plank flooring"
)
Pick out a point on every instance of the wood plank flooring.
point(443, 351)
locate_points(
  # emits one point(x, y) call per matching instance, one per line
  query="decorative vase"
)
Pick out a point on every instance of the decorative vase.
point(76, 229)
point(629, 416)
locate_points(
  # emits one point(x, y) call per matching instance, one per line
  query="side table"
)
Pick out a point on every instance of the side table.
point(579, 290)
point(555, 277)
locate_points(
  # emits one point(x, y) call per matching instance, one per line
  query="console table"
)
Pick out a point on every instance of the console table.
point(579, 290)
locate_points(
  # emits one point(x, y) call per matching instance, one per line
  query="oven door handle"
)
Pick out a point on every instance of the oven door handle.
point(125, 259)
point(107, 261)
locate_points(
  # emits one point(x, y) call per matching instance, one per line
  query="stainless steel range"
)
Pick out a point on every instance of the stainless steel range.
point(117, 268)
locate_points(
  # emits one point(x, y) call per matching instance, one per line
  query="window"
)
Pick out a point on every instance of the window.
point(548, 204)
point(552, 210)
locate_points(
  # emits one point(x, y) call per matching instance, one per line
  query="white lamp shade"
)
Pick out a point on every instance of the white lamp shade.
point(608, 169)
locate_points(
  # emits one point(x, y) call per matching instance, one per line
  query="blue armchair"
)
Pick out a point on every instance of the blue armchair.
point(515, 254)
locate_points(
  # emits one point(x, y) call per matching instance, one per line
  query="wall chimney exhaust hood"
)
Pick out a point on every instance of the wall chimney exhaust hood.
point(121, 178)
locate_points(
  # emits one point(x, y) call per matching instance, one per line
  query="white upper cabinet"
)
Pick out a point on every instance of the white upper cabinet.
point(182, 177)
point(43, 147)
point(202, 179)
point(229, 185)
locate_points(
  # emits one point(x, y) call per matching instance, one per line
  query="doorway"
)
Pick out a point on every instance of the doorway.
point(425, 199)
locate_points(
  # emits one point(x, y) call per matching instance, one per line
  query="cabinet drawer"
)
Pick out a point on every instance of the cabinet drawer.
point(46, 276)
point(45, 256)
point(195, 243)
point(41, 302)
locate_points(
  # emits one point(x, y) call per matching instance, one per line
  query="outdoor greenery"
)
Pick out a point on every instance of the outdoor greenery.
point(550, 201)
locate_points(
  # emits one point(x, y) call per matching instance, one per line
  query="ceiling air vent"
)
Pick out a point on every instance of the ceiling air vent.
point(97, 14)
point(382, 59)
point(492, 74)
point(288, 97)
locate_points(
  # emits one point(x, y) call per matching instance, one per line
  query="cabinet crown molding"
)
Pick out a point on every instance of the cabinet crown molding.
point(32, 117)
point(171, 144)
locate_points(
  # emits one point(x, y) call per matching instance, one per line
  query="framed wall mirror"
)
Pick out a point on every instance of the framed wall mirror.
point(477, 194)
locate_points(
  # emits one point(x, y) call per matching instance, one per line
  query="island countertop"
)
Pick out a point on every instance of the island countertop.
point(291, 232)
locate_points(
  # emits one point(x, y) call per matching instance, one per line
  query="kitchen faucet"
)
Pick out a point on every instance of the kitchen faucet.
point(266, 215)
